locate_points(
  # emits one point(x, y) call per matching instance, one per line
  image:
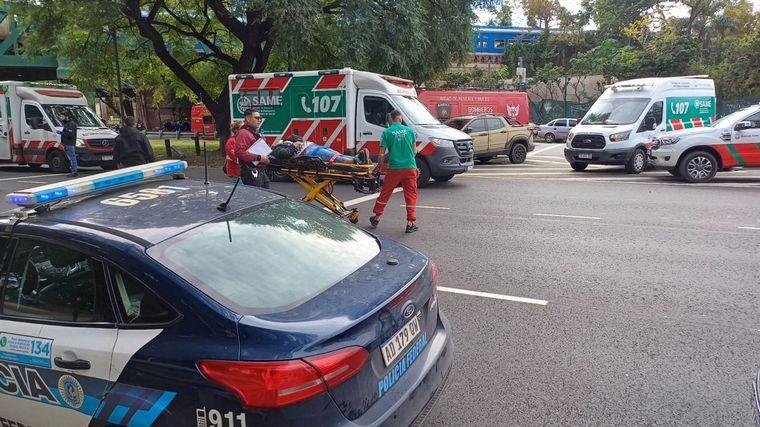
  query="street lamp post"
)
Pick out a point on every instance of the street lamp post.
point(112, 31)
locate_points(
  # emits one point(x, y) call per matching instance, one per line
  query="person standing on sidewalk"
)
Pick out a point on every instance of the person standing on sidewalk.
point(69, 140)
point(231, 166)
point(399, 143)
point(250, 173)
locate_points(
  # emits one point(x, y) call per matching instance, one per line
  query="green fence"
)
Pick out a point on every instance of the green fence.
point(543, 111)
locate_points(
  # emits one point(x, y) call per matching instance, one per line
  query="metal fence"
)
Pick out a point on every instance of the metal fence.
point(545, 110)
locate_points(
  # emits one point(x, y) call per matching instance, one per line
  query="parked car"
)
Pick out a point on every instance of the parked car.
point(556, 130)
point(697, 154)
point(494, 134)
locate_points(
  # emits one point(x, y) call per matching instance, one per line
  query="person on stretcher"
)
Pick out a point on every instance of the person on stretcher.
point(294, 146)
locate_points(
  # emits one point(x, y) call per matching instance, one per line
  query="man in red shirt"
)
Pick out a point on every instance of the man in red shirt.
point(251, 174)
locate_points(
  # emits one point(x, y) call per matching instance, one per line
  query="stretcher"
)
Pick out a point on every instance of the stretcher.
point(318, 177)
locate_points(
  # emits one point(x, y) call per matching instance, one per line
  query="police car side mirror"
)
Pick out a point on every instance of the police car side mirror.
point(743, 125)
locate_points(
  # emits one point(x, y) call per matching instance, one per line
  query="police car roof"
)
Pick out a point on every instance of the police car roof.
point(190, 204)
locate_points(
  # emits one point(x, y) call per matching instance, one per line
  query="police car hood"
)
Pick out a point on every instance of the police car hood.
point(686, 132)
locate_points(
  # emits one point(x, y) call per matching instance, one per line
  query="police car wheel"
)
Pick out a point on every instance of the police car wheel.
point(698, 166)
point(637, 162)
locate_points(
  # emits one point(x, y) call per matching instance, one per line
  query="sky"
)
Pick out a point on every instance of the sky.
point(519, 20)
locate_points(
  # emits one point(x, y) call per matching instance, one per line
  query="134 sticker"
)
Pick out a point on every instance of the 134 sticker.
point(214, 418)
point(25, 349)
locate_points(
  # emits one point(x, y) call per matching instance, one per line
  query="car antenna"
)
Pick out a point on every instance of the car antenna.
point(223, 206)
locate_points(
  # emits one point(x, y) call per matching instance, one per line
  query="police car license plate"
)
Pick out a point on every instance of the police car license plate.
point(107, 158)
point(584, 155)
point(395, 346)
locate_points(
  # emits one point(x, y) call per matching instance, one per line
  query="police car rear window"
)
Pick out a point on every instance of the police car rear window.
point(270, 259)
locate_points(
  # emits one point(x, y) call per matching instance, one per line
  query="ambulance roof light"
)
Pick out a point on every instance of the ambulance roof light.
point(91, 184)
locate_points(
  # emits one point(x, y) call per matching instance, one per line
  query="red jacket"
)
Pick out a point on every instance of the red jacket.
point(246, 137)
point(233, 168)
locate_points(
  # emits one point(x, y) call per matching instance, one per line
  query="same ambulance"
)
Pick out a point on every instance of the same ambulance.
point(346, 110)
point(29, 125)
point(620, 124)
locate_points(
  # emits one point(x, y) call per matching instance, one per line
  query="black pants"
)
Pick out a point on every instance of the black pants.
point(261, 180)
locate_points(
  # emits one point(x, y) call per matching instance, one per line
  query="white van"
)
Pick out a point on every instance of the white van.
point(29, 125)
point(346, 110)
point(620, 124)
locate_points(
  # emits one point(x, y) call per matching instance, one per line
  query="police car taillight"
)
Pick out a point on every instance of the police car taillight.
point(283, 383)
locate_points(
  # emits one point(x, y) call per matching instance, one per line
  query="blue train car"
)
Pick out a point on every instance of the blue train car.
point(490, 43)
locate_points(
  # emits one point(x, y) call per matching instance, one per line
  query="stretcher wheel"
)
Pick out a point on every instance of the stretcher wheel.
point(354, 216)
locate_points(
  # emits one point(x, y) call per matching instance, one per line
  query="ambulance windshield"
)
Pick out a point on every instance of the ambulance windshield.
point(82, 115)
point(615, 111)
point(414, 111)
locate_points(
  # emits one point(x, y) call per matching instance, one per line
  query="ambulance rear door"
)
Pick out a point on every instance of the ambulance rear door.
point(5, 126)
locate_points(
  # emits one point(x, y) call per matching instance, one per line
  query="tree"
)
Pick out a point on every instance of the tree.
point(502, 15)
point(540, 13)
point(194, 44)
point(611, 16)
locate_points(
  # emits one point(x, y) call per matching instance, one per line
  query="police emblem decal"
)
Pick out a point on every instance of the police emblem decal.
point(71, 391)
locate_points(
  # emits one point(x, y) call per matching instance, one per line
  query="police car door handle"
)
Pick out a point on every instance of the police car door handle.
point(72, 364)
point(366, 133)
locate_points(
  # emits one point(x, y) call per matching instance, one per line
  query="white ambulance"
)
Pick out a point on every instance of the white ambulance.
point(29, 125)
point(346, 110)
point(621, 123)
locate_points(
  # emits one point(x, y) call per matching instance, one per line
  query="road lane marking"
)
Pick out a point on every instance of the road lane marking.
point(29, 176)
point(513, 173)
point(363, 199)
point(567, 216)
point(34, 182)
point(534, 152)
point(493, 296)
point(749, 228)
point(428, 207)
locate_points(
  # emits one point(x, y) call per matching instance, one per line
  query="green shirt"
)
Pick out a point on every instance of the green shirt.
point(400, 142)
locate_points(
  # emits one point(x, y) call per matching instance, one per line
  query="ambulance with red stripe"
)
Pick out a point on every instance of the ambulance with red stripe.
point(29, 125)
point(697, 154)
point(619, 127)
point(346, 110)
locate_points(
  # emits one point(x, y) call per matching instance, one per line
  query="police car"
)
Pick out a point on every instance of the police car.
point(697, 154)
point(129, 301)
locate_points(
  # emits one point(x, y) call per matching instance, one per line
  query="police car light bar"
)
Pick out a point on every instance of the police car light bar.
point(95, 183)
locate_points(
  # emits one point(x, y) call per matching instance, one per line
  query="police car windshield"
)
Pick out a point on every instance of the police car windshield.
point(615, 111)
point(82, 115)
point(731, 118)
point(270, 259)
point(414, 111)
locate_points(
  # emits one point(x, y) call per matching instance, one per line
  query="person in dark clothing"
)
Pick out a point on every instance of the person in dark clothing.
point(250, 173)
point(69, 140)
point(132, 146)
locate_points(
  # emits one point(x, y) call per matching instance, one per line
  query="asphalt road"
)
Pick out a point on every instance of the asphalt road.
point(650, 284)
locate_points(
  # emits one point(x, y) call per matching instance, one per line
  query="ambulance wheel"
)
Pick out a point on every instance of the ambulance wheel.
point(57, 162)
point(637, 162)
point(35, 166)
point(549, 138)
point(674, 172)
point(579, 167)
point(443, 178)
point(698, 166)
point(423, 173)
